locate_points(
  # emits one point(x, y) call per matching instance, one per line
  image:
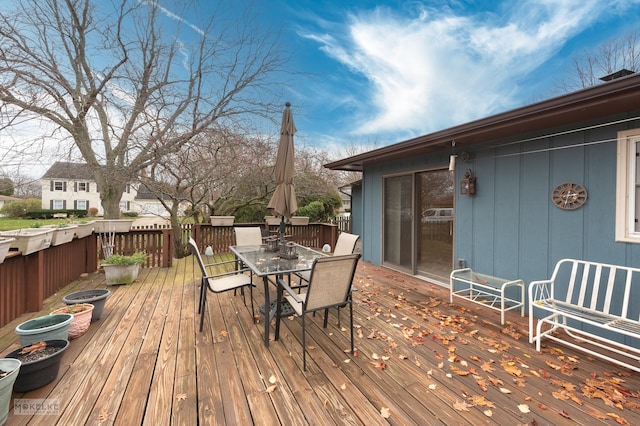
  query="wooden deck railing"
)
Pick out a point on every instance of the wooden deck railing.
point(26, 281)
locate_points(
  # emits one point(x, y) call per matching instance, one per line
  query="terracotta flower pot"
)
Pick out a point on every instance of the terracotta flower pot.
point(48, 327)
point(34, 374)
point(81, 318)
point(12, 367)
point(97, 297)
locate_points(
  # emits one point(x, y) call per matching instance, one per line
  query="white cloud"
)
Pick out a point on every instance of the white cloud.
point(436, 69)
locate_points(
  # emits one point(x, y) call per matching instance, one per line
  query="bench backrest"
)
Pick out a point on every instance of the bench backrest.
point(600, 287)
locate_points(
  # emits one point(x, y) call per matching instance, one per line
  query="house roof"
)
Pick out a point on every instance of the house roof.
point(144, 193)
point(64, 170)
point(607, 99)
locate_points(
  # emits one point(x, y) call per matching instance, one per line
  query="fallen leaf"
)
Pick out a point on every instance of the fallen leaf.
point(224, 333)
point(488, 413)
point(270, 389)
point(32, 348)
point(343, 386)
point(273, 379)
point(461, 406)
point(385, 412)
point(524, 408)
point(181, 396)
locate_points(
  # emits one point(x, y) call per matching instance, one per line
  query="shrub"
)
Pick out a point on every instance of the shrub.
point(130, 214)
point(121, 260)
point(93, 211)
point(21, 207)
point(315, 210)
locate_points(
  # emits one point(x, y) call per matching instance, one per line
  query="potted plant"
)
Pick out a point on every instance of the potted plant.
point(62, 233)
point(222, 220)
point(29, 240)
point(9, 369)
point(5, 245)
point(97, 297)
point(121, 269)
point(106, 226)
point(81, 318)
point(48, 327)
point(40, 363)
point(84, 228)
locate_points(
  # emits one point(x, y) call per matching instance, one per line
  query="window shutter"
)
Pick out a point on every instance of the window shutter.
point(64, 186)
point(87, 186)
point(51, 186)
point(50, 204)
point(64, 204)
point(75, 186)
point(75, 204)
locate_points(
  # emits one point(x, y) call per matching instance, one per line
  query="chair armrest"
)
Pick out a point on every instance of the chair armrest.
point(289, 290)
point(222, 274)
point(540, 290)
point(220, 263)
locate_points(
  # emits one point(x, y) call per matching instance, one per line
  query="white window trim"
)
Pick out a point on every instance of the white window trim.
point(61, 202)
point(625, 187)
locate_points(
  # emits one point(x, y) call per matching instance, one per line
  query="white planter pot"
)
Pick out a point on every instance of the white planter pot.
point(84, 229)
point(272, 220)
point(62, 235)
point(222, 220)
point(30, 240)
point(112, 225)
point(300, 220)
point(5, 245)
point(120, 274)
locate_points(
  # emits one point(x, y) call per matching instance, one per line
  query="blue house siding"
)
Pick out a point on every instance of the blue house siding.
point(510, 228)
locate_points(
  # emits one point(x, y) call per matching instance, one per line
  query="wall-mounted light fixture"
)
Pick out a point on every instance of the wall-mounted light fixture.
point(468, 183)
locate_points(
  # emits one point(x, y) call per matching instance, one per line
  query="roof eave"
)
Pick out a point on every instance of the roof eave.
point(605, 99)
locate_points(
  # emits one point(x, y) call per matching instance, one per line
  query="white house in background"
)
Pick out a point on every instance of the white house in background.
point(147, 204)
point(72, 186)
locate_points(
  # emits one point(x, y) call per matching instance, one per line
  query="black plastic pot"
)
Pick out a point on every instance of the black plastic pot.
point(97, 297)
point(35, 374)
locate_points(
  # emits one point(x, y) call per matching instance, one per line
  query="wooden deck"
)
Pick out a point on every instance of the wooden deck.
point(419, 361)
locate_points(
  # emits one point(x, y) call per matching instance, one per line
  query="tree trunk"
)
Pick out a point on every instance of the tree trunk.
point(110, 195)
point(179, 248)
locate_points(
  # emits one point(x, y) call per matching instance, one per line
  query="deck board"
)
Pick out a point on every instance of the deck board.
point(145, 362)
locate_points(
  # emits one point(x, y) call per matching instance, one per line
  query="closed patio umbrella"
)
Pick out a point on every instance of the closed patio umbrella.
point(283, 202)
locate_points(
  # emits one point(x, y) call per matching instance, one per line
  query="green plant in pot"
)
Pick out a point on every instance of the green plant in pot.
point(121, 269)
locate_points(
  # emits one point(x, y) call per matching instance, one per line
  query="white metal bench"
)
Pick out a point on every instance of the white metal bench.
point(594, 303)
point(486, 290)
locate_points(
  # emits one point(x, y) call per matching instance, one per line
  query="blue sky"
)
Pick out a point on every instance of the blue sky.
point(379, 72)
point(365, 74)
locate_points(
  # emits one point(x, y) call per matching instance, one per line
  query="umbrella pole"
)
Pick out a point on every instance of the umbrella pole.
point(282, 227)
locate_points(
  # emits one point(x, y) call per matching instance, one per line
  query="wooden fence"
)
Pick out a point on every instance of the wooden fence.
point(26, 281)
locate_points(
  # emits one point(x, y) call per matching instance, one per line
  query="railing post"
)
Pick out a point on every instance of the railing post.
point(196, 234)
point(91, 250)
point(167, 248)
point(34, 274)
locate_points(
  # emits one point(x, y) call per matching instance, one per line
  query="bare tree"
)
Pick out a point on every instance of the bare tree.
point(129, 83)
point(612, 56)
point(206, 177)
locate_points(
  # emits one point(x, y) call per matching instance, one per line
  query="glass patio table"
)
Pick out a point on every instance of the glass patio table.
point(266, 263)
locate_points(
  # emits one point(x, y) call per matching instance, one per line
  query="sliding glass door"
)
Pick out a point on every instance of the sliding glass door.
point(418, 223)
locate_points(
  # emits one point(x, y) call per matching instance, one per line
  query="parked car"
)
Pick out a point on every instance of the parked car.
point(437, 215)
